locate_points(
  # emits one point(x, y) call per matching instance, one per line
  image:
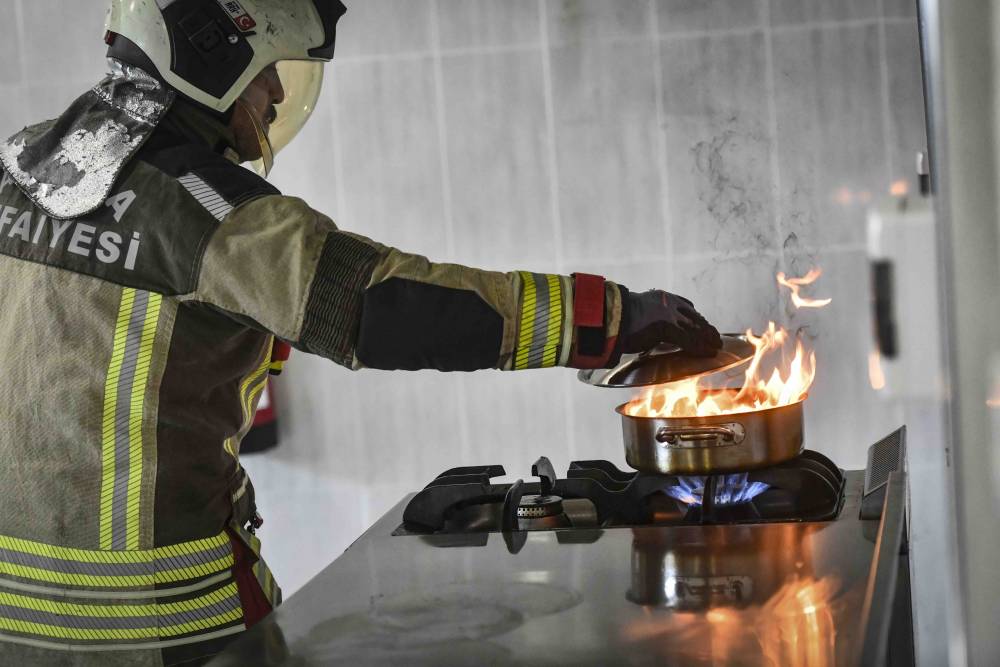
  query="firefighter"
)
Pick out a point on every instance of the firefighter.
point(145, 276)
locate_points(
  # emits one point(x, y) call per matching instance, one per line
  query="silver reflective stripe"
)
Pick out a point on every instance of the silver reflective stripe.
point(77, 593)
point(114, 569)
point(138, 646)
point(240, 492)
point(267, 583)
point(192, 560)
point(123, 415)
point(213, 202)
point(541, 332)
point(117, 622)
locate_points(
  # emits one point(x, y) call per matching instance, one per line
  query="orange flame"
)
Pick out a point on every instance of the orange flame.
point(899, 188)
point(795, 284)
point(876, 376)
point(688, 398)
point(796, 626)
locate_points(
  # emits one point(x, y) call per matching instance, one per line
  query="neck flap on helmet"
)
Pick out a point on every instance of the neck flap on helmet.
point(69, 165)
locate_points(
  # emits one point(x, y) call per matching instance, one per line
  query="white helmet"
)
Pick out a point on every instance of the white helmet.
point(210, 50)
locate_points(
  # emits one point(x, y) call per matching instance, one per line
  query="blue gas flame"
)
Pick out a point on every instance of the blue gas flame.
point(734, 489)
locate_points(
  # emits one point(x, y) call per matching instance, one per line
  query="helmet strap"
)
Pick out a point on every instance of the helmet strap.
point(266, 152)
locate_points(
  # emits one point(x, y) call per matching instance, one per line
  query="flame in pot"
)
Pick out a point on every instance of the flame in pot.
point(760, 391)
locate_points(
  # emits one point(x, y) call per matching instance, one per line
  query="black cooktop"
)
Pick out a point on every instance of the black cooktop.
point(596, 494)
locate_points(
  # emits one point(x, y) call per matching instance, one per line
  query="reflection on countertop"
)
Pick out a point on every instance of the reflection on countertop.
point(770, 594)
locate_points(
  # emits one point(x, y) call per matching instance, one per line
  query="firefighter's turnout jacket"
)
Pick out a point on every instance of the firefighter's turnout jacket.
point(143, 279)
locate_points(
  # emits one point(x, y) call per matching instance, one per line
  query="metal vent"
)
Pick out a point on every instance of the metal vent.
point(884, 457)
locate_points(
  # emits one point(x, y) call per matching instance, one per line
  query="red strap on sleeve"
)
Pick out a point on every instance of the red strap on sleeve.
point(281, 351)
point(591, 348)
point(588, 300)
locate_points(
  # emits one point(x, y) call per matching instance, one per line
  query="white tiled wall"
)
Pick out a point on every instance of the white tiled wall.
point(693, 145)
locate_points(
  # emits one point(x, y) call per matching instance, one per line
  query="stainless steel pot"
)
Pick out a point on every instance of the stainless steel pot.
point(709, 445)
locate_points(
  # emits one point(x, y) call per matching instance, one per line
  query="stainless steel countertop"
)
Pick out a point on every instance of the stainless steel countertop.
point(771, 594)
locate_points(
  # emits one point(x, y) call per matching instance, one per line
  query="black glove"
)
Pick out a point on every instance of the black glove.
point(656, 317)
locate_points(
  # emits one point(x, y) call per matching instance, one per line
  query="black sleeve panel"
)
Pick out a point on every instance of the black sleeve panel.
point(333, 311)
point(409, 325)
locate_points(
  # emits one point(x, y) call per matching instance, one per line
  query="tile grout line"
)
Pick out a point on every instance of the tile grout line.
point(883, 54)
point(825, 25)
point(556, 212)
point(739, 255)
point(339, 191)
point(343, 213)
point(450, 52)
point(550, 127)
point(442, 125)
point(22, 64)
point(464, 427)
point(661, 141)
point(528, 47)
point(772, 110)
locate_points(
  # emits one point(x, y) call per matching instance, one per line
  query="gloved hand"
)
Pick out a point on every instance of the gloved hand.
point(656, 317)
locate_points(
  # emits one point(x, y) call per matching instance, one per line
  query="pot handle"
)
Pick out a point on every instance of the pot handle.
point(723, 434)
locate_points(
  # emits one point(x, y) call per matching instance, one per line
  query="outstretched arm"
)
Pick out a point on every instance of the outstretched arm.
point(283, 267)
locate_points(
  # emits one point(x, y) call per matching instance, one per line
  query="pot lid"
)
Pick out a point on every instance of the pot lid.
point(669, 363)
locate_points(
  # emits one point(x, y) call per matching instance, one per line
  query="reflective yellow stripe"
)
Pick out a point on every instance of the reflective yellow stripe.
point(255, 392)
point(527, 321)
point(121, 431)
point(117, 581)
point(553, 336)
point(249, 382)
point(267, 583)
point(57, 619)
point(108, 424)
point(136, 420)
point(540, 337)
point(115, 569)
point(65, 616)
point(248, 393)
point(85, 556)
point(57, 632)
point(117, 610)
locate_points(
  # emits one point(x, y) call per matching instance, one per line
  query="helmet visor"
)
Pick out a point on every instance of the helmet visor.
point(301, 81)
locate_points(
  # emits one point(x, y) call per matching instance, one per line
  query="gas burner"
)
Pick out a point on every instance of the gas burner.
point(596, 494)
point(734, 489)
point(541, 512)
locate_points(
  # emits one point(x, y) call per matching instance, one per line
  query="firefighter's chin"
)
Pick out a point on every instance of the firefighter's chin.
point(247, 138)
point(250, 135)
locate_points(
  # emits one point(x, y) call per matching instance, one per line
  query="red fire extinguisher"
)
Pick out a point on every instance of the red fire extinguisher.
point(263, 435)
